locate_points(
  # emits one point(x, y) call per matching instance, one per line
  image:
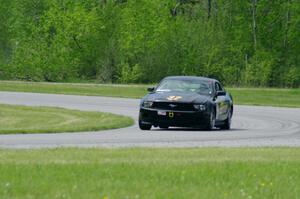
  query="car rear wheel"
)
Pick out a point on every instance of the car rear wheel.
point(144, 127)
point(227, 124)
point(211, 122)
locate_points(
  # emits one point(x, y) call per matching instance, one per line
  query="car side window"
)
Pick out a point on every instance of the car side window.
point(218, 87)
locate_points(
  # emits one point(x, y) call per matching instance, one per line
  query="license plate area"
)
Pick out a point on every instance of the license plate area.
point(167, 114)
point(162, 113)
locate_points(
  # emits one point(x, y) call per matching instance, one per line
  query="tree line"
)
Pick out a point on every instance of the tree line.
point(240, 42)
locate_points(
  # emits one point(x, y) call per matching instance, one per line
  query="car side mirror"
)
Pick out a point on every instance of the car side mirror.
point(220, 93)
point(151, 89)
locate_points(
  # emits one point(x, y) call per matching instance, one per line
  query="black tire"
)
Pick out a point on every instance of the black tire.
point(227, 124)
point(163, 126)
point(212, 121)
point(145, 127)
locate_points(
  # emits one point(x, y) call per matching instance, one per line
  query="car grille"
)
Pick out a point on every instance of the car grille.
point(173, 106)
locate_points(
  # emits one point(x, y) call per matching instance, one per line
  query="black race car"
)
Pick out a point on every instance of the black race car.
point(186, 101)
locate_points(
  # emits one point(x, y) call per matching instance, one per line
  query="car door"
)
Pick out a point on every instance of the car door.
point(222, 103)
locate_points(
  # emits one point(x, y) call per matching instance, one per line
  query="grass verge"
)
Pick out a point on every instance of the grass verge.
point(22, 119)
point(244, 96)
point(151, 173)
point(126, 91)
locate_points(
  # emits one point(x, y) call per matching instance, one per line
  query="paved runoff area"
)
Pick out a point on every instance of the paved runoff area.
point(253, 126)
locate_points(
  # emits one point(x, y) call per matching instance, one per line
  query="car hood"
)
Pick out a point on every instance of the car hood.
point(182, 97)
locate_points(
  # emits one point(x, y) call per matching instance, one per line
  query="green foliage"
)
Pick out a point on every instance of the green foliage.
point(258, 72)
point(129, 74)
point(292, 77)
point(141, 41)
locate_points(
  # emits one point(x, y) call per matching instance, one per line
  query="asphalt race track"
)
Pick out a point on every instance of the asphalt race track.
point(252, 126)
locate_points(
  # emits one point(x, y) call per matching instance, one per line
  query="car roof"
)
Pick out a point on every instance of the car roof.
point(191, 78)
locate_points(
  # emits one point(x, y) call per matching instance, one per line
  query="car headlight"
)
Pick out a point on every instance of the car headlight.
point(147, 104)
point(200, 107)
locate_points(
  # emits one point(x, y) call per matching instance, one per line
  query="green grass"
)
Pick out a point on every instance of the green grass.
point(151, 173)
point(246, 96)
point(22, 119)
point(266, 96)
point(127, 91)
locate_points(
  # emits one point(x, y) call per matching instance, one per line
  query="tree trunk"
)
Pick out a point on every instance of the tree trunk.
point(287, 25)
point(215, 5)
point(254, 5)
point(174, 10)
point(208, 9)
point(102, 3)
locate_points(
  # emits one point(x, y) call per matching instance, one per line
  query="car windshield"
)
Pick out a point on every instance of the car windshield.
point(199, 86)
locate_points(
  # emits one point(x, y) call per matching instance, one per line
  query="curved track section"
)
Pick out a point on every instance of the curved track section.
point(252, 126)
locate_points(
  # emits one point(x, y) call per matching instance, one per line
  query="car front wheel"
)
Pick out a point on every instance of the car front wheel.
point(144, 127)
point(211, 122)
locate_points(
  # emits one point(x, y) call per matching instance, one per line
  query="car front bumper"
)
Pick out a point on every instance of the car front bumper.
point(174, 118)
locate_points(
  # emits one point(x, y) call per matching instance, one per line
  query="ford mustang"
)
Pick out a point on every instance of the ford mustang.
point(186, 101)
